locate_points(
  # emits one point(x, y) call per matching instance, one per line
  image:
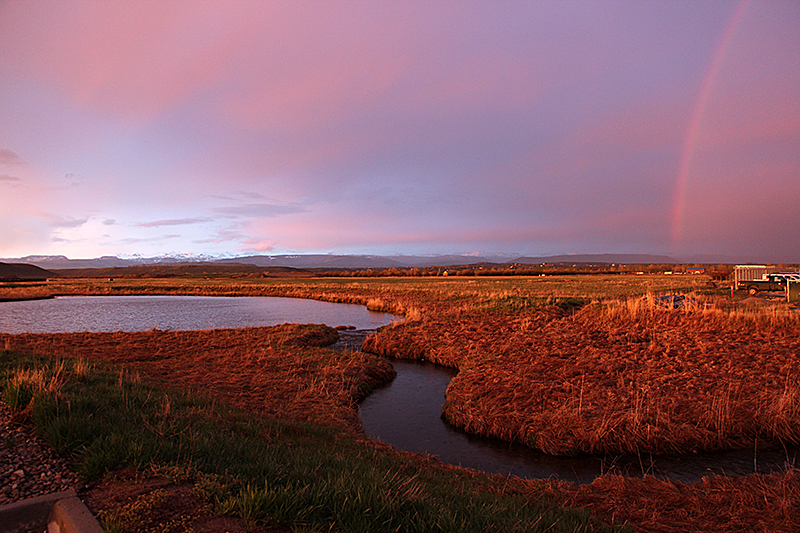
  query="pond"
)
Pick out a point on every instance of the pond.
point(407, 414)
point(69, 314)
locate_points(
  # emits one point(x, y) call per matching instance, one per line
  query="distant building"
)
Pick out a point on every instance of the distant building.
point(695, 270)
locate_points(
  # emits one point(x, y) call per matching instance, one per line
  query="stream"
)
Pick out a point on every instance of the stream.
point(406, 414)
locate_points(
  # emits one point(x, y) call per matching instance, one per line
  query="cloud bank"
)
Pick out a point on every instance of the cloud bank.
point(353, 127)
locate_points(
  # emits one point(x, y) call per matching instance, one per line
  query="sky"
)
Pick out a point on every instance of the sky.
point(400, 127)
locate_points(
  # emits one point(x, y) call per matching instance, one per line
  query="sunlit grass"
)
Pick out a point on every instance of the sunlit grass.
point(265, 470)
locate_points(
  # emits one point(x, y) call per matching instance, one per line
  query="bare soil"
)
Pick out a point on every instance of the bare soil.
point(150, 504)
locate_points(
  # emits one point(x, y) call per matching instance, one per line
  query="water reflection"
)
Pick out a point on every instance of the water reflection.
point(407, 414)
point(141, 313)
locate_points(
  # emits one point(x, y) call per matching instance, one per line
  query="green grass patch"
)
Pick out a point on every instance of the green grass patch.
point(274, 472)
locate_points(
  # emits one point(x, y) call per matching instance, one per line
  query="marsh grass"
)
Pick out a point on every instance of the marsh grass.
point(568, 364)
point(23, 385)
point(275, 472)
point(627, 375)
point(24, 291)
point(716, 504)
point(279, 371)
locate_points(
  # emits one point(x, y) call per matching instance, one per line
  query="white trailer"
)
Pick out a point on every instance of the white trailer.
point(744, 273)
point(757, 278)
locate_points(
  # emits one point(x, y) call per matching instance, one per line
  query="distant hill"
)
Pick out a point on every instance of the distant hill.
point(57, 262)
point(624, 259)
point(330, 261)
point(319, 261)
point(17, 271)
point(450, 260)
point(183, 269)
point(304, 261)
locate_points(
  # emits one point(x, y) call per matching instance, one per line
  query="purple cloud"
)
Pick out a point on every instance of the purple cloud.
point(173, 222)
point(7, 157)
point(537, 127)
point(260, 210)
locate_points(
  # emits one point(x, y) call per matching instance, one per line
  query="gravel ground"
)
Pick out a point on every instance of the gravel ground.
point(28, 466)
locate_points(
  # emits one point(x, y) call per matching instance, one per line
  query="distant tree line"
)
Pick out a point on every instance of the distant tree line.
point(716, 272)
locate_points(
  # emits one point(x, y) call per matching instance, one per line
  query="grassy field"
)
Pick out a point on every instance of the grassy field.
point(259, 422)
point(572, 364)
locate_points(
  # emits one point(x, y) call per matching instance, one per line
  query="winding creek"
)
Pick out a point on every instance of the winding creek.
point(405, 413)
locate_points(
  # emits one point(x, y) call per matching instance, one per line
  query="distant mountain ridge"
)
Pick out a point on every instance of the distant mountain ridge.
point(332, 261)
point(58, 262)
point(624, 259)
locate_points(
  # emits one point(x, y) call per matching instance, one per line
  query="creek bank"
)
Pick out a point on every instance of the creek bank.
point(26, 298)
point(406, 413)
point(622, 378)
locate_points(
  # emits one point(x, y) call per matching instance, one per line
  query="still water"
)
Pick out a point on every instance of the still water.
point(407, 414)
point(70, 314)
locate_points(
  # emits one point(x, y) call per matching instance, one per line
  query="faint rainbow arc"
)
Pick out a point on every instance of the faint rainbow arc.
point(692, 132)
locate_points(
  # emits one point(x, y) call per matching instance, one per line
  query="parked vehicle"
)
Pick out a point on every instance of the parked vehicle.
point(761, 278)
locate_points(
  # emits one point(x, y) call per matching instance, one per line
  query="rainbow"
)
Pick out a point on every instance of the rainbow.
point(693, 131)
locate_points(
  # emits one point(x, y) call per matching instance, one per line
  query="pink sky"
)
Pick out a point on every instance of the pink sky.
point(530, 128)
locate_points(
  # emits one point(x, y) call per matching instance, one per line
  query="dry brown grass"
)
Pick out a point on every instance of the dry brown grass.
point(625, 377)
point(279, 371)
point(24, 291)
point(620, 375)
point(756, 503)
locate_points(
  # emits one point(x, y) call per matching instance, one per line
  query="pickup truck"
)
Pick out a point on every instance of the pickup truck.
point(770, 282)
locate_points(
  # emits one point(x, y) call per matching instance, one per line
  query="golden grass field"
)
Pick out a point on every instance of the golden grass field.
point(566, 365)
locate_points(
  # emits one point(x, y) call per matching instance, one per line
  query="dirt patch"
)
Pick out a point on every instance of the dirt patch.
point(130, 502)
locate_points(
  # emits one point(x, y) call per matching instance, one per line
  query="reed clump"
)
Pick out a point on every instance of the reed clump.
point(24, 385)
